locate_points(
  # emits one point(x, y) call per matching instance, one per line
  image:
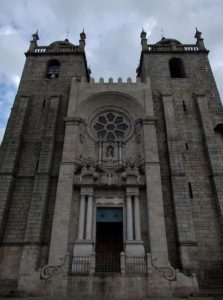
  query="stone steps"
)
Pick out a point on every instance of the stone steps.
point(78, 298)
point(205, 294)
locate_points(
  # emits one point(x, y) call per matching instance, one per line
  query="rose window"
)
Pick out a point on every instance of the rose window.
point(111, 126)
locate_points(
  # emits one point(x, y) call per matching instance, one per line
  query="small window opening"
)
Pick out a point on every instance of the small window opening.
point(44, 104)
point(184, 106)
point(53, 69)
point(187, 146)
point(190, 190)
point(37, 165)
point(176, 68)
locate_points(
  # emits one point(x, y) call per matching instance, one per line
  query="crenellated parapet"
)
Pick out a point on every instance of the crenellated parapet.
point(112, 82)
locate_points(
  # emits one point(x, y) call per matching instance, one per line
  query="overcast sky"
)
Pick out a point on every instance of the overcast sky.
point(112, 27)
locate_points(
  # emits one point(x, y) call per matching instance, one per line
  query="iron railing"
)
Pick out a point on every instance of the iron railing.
point(98, 263)
point(107, 263)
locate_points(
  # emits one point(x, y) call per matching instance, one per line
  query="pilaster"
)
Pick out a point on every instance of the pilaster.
point(157, 230)
point(7, 170)
point(184, 220)
point(213, 151)
point(64, 196)
point(38, 204)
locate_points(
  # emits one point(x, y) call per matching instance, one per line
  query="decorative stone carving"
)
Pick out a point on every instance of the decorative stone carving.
point(49, 271)
point(167, 271)
point(110, 172)
point(110, 151)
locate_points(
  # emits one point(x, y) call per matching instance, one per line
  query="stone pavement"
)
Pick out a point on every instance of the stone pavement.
point(99, 298)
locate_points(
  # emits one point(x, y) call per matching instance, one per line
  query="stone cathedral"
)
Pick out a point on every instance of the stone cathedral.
point(113, 188)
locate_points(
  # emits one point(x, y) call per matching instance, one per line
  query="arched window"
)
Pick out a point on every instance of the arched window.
point(53, 69)
point(219, 128)
point(176, 68)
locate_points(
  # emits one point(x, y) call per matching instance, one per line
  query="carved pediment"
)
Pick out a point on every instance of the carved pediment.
point(91, 172)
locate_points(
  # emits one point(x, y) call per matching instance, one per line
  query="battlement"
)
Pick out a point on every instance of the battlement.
point(110, 81)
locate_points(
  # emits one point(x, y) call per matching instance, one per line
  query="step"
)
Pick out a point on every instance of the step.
point(77, 298)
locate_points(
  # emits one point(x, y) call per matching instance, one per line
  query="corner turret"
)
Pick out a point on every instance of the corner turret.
point(33, 42)
point(82, 40)
point(143, 40)
point(200, 41)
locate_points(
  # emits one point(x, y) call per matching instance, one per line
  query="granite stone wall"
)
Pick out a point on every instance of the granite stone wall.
point(31, 152)
point(191, 150)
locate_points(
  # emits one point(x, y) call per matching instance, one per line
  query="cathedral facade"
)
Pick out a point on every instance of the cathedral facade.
point(113, 188)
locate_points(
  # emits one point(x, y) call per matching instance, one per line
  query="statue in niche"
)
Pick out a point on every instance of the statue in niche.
point(110, 152)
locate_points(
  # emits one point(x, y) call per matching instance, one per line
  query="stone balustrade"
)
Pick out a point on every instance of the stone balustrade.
point(171, 48)
point(48, 49)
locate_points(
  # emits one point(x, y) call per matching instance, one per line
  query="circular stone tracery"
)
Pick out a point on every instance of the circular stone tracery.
point(111, 126)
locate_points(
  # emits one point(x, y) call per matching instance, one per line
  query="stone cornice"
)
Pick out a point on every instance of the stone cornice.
point(73, 120)
point(147, 120)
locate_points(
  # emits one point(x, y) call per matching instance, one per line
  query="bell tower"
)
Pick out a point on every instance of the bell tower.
point(31, 152)
point(188, 109)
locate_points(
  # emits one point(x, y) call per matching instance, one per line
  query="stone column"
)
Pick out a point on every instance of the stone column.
point(129, 219)
point(134, 244)
point(81, 218)
point(137, 218)
point(120, 151)
point(100, 151)
point(84, 246)
point(89, 218)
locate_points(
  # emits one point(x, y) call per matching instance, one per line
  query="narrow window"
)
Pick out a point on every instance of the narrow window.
point(176, 68)
point(187, 146)
point(190, 190)
point(184, 106)
point(53, 69)
point(44, 103)
point(37, 165)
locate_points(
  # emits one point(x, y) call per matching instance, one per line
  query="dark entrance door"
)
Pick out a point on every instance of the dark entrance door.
point(109, 239)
